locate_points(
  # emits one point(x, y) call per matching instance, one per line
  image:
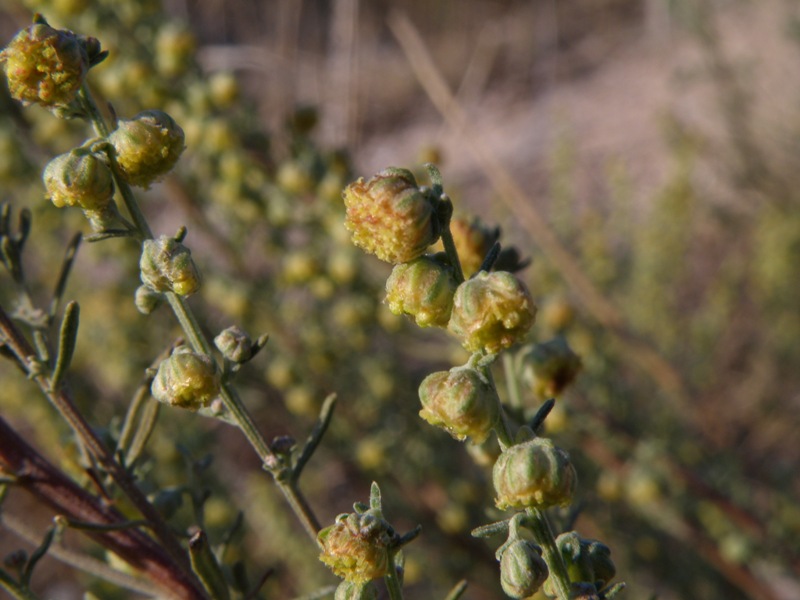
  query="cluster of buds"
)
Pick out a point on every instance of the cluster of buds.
point(397, 220)
point(48, 66)
point(588, 563)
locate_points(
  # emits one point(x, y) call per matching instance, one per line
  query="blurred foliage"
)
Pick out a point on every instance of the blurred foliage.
point(696, 497)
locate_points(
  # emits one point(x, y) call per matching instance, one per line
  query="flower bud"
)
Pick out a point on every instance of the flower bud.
point(460, 401)
point(147, 299)
point(522, 569)
point(147, 146)
point(491, 311)
point(533, 474)
point(423, 288)
point(587, 560)
point(79, 178)
point(44, 65)
point(234, 344)
point(186, 379)
point(356, 547)
point(166, 266)
point(550, 367)
point(390, 217)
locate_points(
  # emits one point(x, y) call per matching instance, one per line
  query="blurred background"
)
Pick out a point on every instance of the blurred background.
point(643, 154)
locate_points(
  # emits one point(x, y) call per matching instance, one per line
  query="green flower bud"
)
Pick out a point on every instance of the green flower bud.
point(587, 560)
point(147, 299)
point(234, 344)
point(460, 401)
point(390, 217)
point(522, 569)
point(355, 548)
point(147, 146)
point(186, 379)
point(491, 311)
point(79, 178)
point(423, 288)
point(550, 367)
point(534, 474)
point(44, 65)
point(166, 266)
point(347, 590)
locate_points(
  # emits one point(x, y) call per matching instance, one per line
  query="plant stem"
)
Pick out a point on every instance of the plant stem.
point(512, 382)
point(393, 582)
point(543, 534)
point(199, 343)
point(14, 589)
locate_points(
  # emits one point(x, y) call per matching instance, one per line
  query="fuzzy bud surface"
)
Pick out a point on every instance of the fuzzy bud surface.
point(234, 344)
point(522, 569)
point(355, 548)
point(491, 312)
point(186, 379)
point(390, 217)
point(44, 65)
point(79, 178)
point(166, 266)
point(534, 474)
point(423, 288)
point(460, 401)
point(147, 146)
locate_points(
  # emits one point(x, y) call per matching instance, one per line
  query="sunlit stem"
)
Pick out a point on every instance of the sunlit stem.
point(197, 340)
point(539, 525)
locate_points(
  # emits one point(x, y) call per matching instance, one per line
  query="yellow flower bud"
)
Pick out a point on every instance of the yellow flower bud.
point(390, 217)
point(423, 288)
point(534, 474)
point(79, 178)
point(491, 312)
point(147, 146)
point(460, 401)
point(166, 266)
point(186, 379)
point(355, 547)
point(44, 65)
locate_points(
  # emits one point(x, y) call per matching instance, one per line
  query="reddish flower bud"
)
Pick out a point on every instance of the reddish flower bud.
point(390, 217)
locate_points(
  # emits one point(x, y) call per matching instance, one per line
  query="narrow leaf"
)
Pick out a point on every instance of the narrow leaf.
point(67, 340)
point(205, 565)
